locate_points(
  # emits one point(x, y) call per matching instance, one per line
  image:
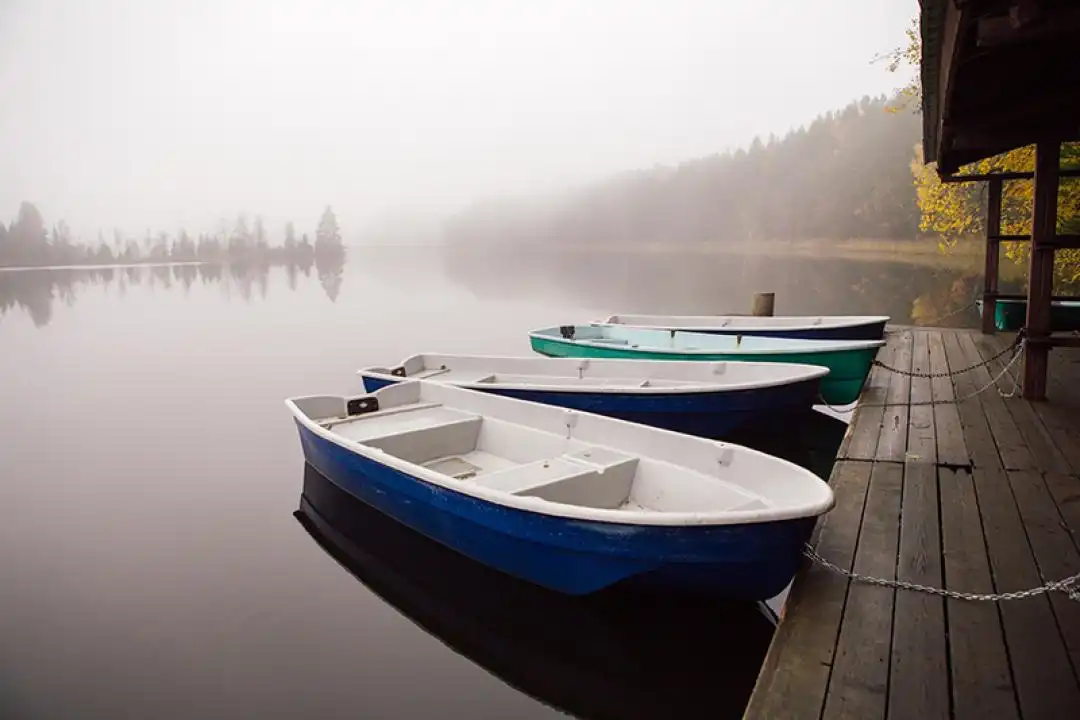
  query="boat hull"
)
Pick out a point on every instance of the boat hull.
point(711, 414)
point(1011, 315)
point(848, 368)
point(868, 331)
point(754, 561)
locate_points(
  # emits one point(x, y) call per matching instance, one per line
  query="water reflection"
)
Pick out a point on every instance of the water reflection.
point(613, 655)
point(695, 283)
point(918, 293)
point(36, 290)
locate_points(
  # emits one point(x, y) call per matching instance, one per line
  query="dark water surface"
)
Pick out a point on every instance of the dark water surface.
point(150, 561)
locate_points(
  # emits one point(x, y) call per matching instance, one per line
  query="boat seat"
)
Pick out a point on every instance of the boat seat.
point(530, 476)
point(590, 477)
point(438, 437)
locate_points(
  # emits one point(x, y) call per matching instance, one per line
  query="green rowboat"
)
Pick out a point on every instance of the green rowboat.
point(1010, 315)
point(848, 361)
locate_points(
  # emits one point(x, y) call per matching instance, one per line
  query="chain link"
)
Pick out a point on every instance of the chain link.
point(950, 373)
point(924, 403)
point(1070, 585)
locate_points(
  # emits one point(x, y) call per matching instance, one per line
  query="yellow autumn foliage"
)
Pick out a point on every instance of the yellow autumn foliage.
point(956, 212)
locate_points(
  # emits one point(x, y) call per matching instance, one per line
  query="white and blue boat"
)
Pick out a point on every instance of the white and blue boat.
point(708, 399)
point(571, 501)
point(801, 327)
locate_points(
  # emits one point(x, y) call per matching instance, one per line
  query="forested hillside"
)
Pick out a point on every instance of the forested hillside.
point(845, 175)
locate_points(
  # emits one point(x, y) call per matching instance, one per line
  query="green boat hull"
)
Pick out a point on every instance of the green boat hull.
point(848, 369)
point(1011, 315)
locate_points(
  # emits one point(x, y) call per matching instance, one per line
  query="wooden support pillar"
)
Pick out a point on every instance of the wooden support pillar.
point(993, 247)
point(1041, 272)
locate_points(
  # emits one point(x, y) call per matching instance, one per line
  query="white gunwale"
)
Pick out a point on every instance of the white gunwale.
point(749, 322)
point(609, 375)
point(745, 345)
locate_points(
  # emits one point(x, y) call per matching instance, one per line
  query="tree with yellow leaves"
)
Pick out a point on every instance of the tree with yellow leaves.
point(956, 212)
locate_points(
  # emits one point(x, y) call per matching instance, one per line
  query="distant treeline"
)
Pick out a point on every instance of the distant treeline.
point(846, 175)
point(37, 291)
point(29, 242)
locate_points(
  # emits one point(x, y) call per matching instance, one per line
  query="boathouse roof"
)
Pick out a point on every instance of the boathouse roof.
point(996, 75)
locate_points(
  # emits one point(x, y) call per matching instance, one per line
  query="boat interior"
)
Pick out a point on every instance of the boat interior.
point(472, 377)
point(474, 450)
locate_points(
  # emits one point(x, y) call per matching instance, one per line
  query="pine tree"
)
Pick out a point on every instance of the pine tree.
point(328, 234)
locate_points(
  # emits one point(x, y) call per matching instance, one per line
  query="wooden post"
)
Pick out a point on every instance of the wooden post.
point(1041, 272)
point(763, 304)
point(993, 248)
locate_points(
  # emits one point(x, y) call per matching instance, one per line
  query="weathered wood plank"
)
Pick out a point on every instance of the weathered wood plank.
point(1065, 490)
point(977, 437)
point(1043, 451)
point(951, 449)
point(1014, 452)
point(1055, 553)
point(1045, 684)
point(859, 682)
point(1060, 417)
point(918, 677)
point(892, 445)
point(794, 678)
point(922, 441)
point(862, 439)
point(982, 686)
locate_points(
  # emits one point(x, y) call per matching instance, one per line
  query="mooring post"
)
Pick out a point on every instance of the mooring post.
point(763, 304)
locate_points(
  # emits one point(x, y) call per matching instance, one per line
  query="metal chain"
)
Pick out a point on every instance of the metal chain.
point(950, 373)
point(923, 403)
point(1068, 585)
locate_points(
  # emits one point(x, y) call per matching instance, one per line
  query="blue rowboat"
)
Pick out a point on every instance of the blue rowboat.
point(704, 399)
point(848, 361)
point(802, 327)
point(571, 501)
point(607, 657)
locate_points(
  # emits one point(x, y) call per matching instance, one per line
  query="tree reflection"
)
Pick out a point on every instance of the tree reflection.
point(674, 282)
point(35, 290)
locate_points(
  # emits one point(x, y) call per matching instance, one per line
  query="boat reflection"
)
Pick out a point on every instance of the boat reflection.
point(616, 654)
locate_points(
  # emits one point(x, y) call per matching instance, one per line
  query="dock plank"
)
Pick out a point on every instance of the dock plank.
point(922, 435)
point(861, 441)
point(794, 678)
point(892, 444)
point(1046, 686)
point(1033, 431)
point(1014, 452)
point(1049, 438)
point(1055, 553)
point(951, 449)
point(977, 437)
point(858, 686)
point(918, 679)
point(1065, 489)
point(982, 687)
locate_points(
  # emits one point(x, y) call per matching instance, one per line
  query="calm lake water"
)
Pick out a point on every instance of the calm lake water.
point(152, 561)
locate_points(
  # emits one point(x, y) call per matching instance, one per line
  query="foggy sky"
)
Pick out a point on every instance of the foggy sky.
point(155, 113)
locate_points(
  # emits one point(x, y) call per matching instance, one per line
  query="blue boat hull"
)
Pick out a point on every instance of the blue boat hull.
point(707, 414)
point(869, 331)
point(576, 557)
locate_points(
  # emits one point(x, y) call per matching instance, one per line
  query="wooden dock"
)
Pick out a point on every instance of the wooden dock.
point(981, 496)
